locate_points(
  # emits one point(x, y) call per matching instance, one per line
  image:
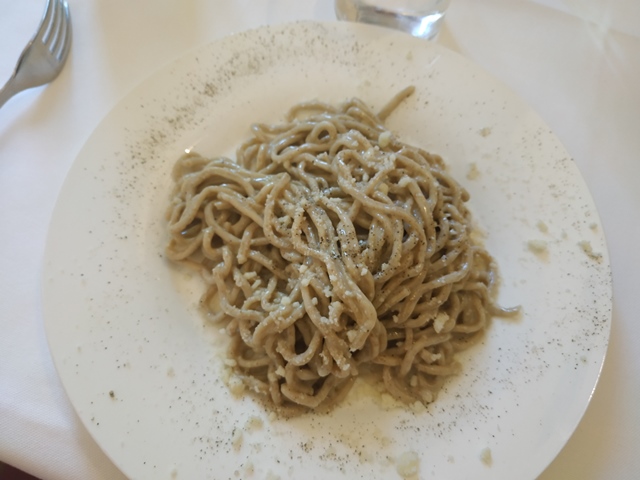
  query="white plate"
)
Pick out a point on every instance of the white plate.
point(140, 366)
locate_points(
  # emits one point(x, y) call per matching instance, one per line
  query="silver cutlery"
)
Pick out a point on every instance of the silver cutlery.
point(44, 56)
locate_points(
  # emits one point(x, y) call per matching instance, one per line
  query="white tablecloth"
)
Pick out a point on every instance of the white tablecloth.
point(577, 62)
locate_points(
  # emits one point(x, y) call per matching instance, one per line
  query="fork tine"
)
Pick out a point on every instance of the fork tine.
point(46, 25)
point(65, 34)
point(60, 26)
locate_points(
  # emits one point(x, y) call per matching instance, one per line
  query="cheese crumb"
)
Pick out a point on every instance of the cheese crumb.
point(473, 172)
point(542, 226)
point(384, 139)
point(254, 423)
point(408, 464)
point(430, 357)
point(485, 456)
point(388, 402)
point(427, 396)
point(588, 249)
point(418, 407)
point(439, 322)
point(537, 246)
point(236, 386)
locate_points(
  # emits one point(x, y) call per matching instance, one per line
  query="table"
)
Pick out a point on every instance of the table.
point(576, 62)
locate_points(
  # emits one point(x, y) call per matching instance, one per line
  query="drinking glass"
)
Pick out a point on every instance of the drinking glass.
point(420, 18)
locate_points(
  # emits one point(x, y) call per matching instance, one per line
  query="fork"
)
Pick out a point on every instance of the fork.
point(44, 56)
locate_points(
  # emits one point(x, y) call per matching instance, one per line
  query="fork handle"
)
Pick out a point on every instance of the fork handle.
point(8, 91)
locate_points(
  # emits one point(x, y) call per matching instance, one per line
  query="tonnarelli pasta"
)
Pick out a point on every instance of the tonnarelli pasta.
point(329, 247)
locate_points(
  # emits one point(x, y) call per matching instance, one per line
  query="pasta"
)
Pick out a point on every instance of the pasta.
point(330, 248)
